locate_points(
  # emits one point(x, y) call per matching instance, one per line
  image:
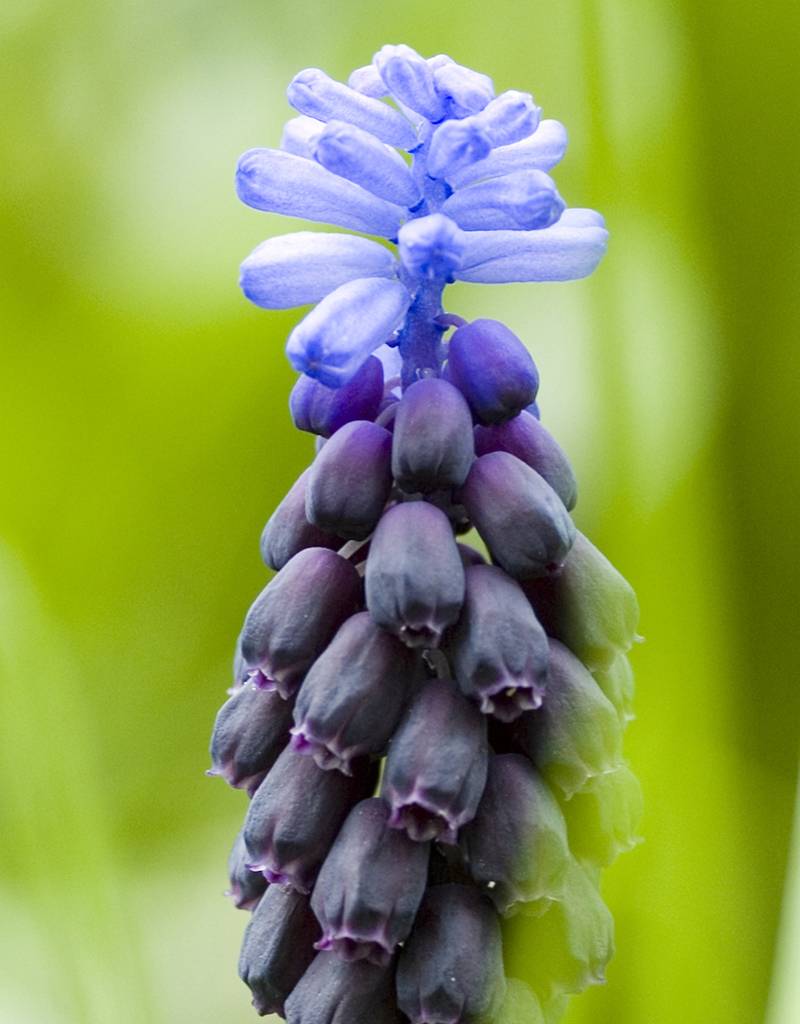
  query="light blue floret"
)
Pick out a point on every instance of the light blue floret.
point(465, 198)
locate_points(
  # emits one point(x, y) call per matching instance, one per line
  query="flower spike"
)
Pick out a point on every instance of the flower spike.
point(429, 727)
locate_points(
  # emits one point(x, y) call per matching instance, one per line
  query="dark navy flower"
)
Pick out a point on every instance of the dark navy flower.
point(436, 769)
point(288, 531)
point(336, 991)
point(498, 649)
point(294, 817)
point(277, 948)
point(251, 730)
point(370, 886)
point(353, 696)
point(451, 969)
point(291, 622)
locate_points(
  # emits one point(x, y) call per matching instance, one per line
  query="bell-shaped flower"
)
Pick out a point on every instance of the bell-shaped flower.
point(350, 480)
point(519, 516)
point(278, 947)
point(436, 768)
point(492, 369)
point(432, 444)
point(370, 886)
point(352, 698)
point(451, 969)
point(295, 815)
point(336, 991)
point(414, 578)
point(291, 621)
point(251, 729)
point(497, 649)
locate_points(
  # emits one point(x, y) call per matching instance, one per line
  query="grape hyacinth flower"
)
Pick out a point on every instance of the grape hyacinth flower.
point(431, 744)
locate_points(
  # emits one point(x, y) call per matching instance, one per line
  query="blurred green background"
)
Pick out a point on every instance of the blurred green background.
point(146, 438)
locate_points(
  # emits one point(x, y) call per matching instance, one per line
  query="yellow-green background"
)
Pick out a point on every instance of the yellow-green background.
point(145, 438)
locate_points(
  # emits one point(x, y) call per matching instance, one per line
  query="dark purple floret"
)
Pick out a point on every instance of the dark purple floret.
point(250, 731)
point(525, 437)
point(246, 886)
point(492, 369)
point(518, 514)
point(278, 947)
point(516, 846)
point(576, 734)
point(451, 969)
point(589, 606)
point(436, 768)
point(370, 886)
point(353, 695)
point(295, 815)
point(351, 480)
point(497, 648)
point(288, 531)
point(322, 410)
point(295, 616)
point(432, 448)
point(336, 991)
point(414, 577)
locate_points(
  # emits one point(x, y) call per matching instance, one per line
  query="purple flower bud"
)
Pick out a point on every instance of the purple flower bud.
point(516, 846)
point(351, 480)
point(436, 768)
point(414, 578)
point(573, 941)
point(251, 729)
point(617, 684)
point(589, 606)
point(410, 79)
point(603, 818)
point(520, 201)
point(323, 410)
point(497, 649)
point(430, 247)
point(525, 437)
point(433, 445)
point(353, 695)
point(492, 369)
point(295, 616)
point(576, 734)
point(370, 886)
point(519, 516)
point(336, 991)
point(277, 948)
point(295, 815)
point(288, 531)
point(246, 886)
point(463, 90)
point(451, 969)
